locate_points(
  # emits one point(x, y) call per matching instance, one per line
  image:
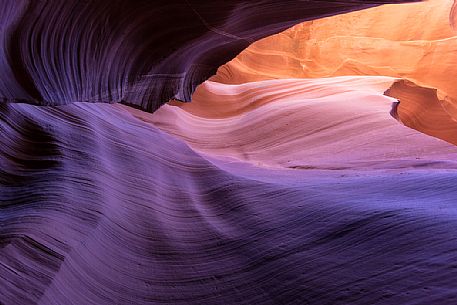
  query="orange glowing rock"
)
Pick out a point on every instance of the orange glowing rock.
point(330, 123)
point(390, 40)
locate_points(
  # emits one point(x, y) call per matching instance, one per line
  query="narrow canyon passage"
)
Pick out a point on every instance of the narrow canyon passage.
point(142, 161)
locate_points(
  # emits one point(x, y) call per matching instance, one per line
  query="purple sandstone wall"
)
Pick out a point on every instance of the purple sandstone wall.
point(141, 52)
point(100, 207)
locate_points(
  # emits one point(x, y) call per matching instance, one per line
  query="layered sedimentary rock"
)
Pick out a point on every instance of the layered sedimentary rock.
point(331, 123)
point(416, 41)
point(284, 181)
point(99, 207)
point(389, 40)
point(140, 52)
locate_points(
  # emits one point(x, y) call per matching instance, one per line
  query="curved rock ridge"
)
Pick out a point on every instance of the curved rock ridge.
point(386, 40)
point(424, 109)
point(370, 42)
point(218, 100)
point(140, 52)
point(98, 207)
point(331, 123)
point(453, 15)
point(287, 180)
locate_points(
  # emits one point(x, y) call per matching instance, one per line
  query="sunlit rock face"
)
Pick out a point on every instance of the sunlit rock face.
point(139, 52)
point(288, 179)
point(416, 41)
point(387, 40)
point(332, 123)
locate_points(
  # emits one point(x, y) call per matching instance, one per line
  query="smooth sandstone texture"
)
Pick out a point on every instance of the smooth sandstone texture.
point(139, 52)
point(272, 187)
point(99, 207)
point(416, 41)
point(331, 123)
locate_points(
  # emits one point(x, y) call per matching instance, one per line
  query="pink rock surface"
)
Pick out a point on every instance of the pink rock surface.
point(289, 178)
point(414, 41)
point(330, 123)
point(99, 207)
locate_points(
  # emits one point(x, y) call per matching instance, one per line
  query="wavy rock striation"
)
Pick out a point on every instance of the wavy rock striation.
point(140, 52)
point(331, 123)
point(98, 207)
point(262, 190)
point(383, 41)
